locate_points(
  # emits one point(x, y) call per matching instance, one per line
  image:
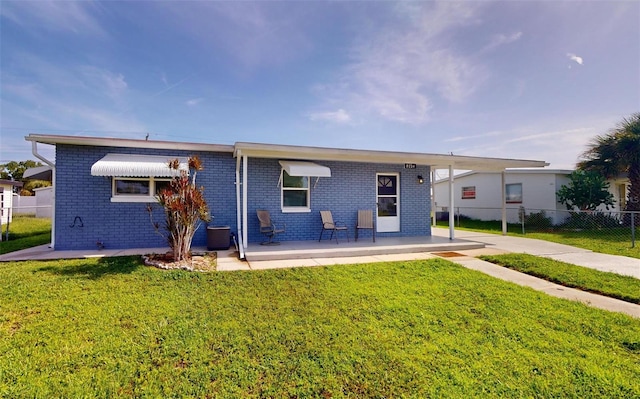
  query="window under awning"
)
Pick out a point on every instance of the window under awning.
point(132, 165)
point(305, 168)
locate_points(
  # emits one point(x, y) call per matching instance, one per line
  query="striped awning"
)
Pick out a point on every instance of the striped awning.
point(132, 165)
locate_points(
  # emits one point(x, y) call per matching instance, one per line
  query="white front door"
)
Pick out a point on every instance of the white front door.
point(388, 198)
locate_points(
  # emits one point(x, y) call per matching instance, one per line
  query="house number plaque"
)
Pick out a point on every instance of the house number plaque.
point(409, 165)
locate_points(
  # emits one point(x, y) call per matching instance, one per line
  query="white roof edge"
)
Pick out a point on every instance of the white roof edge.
point(339, 154)
point(460, 162)
point(128, 143)
point(509, 172)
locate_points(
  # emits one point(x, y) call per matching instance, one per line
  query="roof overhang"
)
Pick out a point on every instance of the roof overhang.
point(39, 173)
point(436, 161)
point(303, 168)
point(129, 165)
point(4, 182)
point(127, 143)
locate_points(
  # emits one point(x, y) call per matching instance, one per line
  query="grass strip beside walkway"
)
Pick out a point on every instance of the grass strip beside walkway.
point(613, 285)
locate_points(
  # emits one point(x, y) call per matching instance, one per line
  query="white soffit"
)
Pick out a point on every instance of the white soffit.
point(132, 165)
point(304, 168)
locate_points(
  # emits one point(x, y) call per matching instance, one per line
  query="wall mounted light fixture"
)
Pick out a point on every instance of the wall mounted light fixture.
point(420, 179)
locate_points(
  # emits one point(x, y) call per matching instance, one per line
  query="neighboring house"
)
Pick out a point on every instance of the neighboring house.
point(6, 199)
point(478, 194)
point(102, 187)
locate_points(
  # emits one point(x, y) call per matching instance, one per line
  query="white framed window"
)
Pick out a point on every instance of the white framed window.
point(295, 193)
point(469, 192)
point(137, 189)
point(513, 193)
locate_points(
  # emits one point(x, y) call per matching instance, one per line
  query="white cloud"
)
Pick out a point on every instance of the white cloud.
point(194, 101)
point(399, 69)
point(251, 34)
point(112, 84)
point(575, 58)
point(72, 16)
point(67, 97)
point(499, 40)
point(339, 116)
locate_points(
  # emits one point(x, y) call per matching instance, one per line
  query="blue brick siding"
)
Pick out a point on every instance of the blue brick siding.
point(352, 186)
point(86, 215)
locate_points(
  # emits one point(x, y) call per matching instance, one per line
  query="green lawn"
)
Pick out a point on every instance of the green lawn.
point(610, 284)
point(113, 328)
point(25, 232)
point(614, 241)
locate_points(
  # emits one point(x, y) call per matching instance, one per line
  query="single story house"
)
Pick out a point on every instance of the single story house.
point(102, 187)
point(478, 193)
point(6, 199)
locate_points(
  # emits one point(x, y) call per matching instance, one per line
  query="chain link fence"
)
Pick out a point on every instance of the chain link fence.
point(620, 226)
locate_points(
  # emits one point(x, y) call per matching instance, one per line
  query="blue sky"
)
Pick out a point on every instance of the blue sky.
point(518, 79)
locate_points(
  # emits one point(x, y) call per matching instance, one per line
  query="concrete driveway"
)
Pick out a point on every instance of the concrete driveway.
point(565, 253)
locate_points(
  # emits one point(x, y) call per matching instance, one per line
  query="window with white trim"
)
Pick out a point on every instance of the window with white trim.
point(513, 193)
point(295, 193)
point(137, 189)
point(469, 192)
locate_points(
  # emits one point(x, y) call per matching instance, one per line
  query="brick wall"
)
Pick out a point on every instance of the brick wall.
point(352, 186)
point(86, 215)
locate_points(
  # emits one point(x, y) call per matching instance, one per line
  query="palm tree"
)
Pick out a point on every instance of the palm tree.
point(616, 153)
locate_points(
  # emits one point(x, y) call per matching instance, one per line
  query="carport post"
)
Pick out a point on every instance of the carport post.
point(504, 203)
point(433, 198)
point(452, 234)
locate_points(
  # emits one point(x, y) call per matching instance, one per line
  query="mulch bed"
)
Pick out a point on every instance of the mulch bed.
point(199, 262)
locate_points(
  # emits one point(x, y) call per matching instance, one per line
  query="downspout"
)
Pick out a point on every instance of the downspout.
point(238, 209)
point(34, 151)
point(452, 234)
point(244, 200)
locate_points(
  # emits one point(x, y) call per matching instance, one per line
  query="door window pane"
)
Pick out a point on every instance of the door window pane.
point(387, 206)
point(387, 185)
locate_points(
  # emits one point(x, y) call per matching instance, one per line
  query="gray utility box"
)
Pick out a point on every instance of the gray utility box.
point(218, 237)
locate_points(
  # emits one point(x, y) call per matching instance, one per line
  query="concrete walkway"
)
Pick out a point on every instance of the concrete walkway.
point(495, 244)
point(565, 253)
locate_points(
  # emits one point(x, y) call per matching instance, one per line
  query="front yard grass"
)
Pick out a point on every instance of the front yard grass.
point(25, 232)
point(112, 327)
point(613, 285)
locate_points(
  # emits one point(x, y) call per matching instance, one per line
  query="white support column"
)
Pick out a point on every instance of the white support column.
point(239, 208)
point(452, 234)
point(433, 198)
point(244, 200)
point(504, 203)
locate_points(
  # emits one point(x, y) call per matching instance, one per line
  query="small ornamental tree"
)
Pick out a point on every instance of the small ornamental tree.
point(184, 207)
point(586, 191)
